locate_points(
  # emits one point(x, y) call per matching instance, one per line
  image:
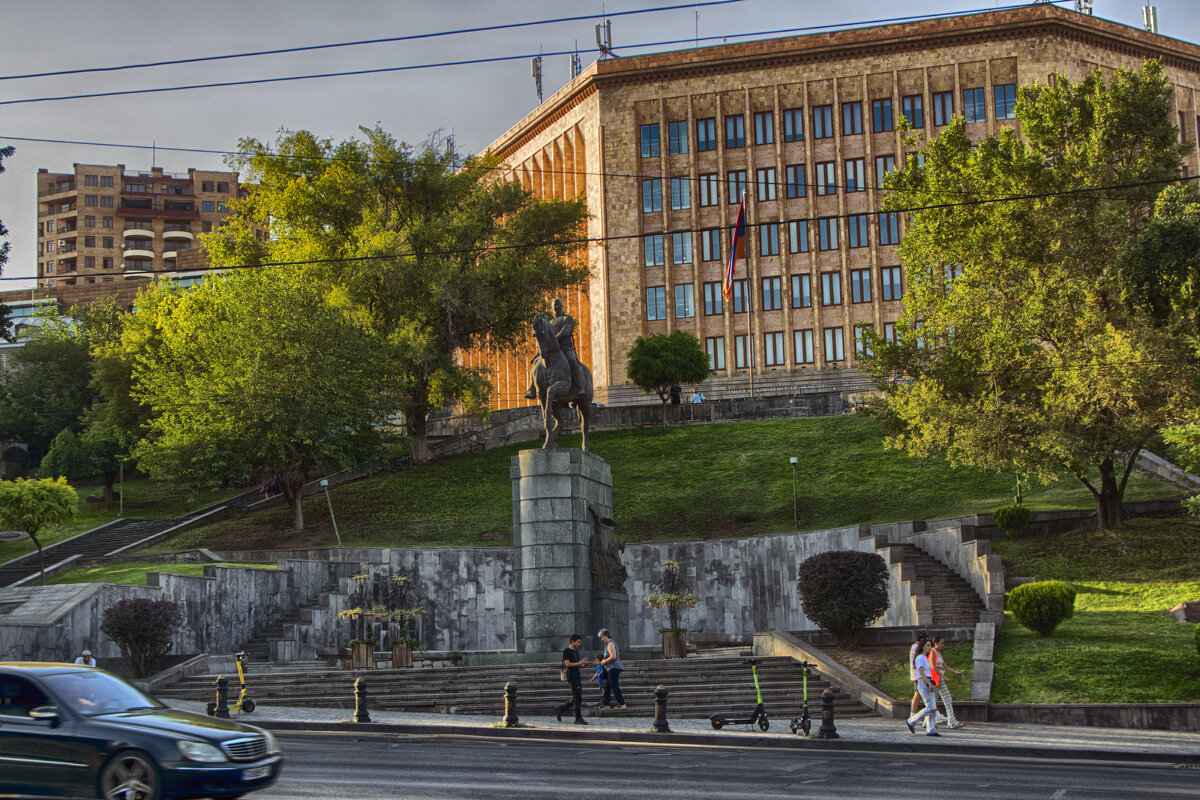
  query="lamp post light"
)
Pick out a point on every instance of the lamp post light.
point(795, 507)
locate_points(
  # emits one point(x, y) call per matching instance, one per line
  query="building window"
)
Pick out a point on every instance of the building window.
point(974, 106)
point(741, 296)
point(49, 226)
point(710, 244)
point(803, 341)
point(892, 288)
point(206, 227)
point(798, 236)
point(773, 349)
point(801, 291)
point(89, 241)
point(713, 301)
point(89, 221)
point(650, 141)
point(862, 335)
point(768, 239)
point(852, 118)
point(681, 193)
point(90, 200)
point(881, 116)
point(914, 110)
point(208, 206)
point(708, 190)
point(1006, 101)
point(889, 228)
point(827, 233)
point(822, 122)
point(681, 248)
point(860, 286)
point(106, 201)
point(715, 345)
point(834, 350)
point(106, 180)
point(831, 288)
point(766, 184)
point(795, 180)
point(656, 303)
point(856, 228)
point(89, 262)
point(943, 107)
point(826, 178)
point(741, 346)
point(135, 187)
point(793, 125)
point(207, 186)
point(706, 134)
point(91, 180)
point(652, 245)
point(107, 262)
point(736, 185)
point(222, 187)
point(677, 138)
point(685, 300)
point(855, 175)
point(107, 222)
point(735, 131)
point(952, 273)
point(884, 166)
point(889, 332)
point(652, 195)
point(764, 127)
point(108, 241)
point(772, 294)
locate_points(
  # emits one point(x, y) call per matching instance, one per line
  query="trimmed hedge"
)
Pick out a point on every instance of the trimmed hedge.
point(1041, 606)
point(844, 591)
point(1011, 519)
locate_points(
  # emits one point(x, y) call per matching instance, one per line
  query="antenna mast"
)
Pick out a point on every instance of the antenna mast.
point(604, 40)
point(537, 76)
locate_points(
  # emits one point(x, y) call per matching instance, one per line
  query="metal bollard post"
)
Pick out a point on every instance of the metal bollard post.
point(660, 710)
point(360, 701)
point(222, 698)
point(510, 705)
point(827, 730)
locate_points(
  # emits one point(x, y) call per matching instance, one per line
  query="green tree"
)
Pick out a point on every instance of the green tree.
point(254, 375)
point(34, 505)
point(1021, 349)
point(660, 361)
point(436, 254)
point(66, 458)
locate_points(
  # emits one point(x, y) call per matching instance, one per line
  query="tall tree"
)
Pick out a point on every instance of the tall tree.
point(437, 254)
point(660, 361)
point(254, 375)
point(1021, 348)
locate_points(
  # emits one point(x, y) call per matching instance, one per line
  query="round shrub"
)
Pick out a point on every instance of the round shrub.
point(1041, 606)
point(142, 628)
point(1011, 519)
point(844, 591)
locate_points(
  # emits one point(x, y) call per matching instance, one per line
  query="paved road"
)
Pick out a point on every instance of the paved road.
point(387, 766)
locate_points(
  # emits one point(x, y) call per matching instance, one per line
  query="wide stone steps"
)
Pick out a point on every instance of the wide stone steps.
point(952, 599)
point(258, 648)
point(95, 545)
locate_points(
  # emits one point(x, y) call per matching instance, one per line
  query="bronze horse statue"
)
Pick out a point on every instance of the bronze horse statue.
point(555, 390)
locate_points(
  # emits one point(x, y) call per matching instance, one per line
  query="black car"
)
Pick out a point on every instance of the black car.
point(81, 732)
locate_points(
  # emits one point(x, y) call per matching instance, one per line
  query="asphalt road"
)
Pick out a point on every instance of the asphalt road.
point(385, 766)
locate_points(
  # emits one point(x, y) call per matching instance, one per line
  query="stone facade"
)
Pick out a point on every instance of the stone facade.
point(628, 134)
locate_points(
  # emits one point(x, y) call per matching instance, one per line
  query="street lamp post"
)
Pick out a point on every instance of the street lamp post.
point(795, 507)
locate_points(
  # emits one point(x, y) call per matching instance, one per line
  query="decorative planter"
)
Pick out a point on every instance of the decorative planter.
point(674, 644)
point(363, 655)
point(401, 654)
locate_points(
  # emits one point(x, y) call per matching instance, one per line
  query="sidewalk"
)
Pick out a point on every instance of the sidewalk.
point(1036, 742)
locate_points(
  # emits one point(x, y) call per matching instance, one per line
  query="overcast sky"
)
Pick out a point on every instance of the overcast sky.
point(477, 103)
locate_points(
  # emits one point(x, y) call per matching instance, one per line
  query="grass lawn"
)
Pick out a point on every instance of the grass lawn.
point(134, 572)
point(704, 481)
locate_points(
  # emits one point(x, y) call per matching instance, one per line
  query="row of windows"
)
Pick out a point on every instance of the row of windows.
point(1004, 100)
point(107, 180)
point(802, 346)
point(857, 228)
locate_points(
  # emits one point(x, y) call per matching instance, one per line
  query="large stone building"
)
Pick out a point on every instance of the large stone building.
point(661, 146)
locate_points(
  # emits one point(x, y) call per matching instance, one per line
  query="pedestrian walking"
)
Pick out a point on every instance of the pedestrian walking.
point(913, 651)
point(940, 668)
point(85, 659)
point(613, 669)
point(697, 396)
point(926, 689)
point(571, 663)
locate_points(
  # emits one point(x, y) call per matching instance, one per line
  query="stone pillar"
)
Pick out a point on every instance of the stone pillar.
point(552, 535)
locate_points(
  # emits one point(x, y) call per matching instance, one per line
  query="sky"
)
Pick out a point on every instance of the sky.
point(475, 103)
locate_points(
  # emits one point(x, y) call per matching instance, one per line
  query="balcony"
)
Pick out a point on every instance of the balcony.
point(138, 248)
point(141, 228)
point(60, 188)
point(137, 265)
point(170, 235)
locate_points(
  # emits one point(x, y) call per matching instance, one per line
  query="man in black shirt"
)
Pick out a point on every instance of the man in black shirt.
point(571, 663)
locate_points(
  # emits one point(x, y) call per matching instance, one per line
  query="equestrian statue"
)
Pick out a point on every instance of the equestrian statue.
point(556, 377)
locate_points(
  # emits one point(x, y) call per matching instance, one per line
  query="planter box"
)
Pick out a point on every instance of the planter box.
point(674, 644)
point(401, 655)
point(362, 655)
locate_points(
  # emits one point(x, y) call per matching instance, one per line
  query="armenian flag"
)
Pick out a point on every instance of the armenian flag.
point(736, 250)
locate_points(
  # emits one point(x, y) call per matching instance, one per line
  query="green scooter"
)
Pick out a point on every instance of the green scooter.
point(804, 722)
point(759, 716)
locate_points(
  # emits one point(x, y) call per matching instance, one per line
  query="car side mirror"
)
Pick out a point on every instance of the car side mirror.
point(47, 713)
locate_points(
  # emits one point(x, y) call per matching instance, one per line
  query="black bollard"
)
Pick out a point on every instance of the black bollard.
point(360, 701)
point(660, 710)
point(510, 705)
point(827, 730)
point(222, 710)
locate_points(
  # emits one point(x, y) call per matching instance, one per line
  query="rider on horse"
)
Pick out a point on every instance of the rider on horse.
point(563, 326)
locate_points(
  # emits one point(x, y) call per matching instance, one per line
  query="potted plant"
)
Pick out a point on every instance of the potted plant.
point(402, 643)
point(672, 594)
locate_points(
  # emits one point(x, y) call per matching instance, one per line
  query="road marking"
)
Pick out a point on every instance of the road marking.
point(1059, 795)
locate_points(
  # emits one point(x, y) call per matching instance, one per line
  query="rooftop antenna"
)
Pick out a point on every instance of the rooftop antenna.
point(537, 76)
point(576, 62)
point(153, 155)
point(1084, 7)
point(1150, 18)
point(697, 42)
point(604, 40)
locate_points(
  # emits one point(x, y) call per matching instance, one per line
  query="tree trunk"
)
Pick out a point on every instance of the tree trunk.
point(418, 431)
point(108, 492)
point(293, 493)
point(1109, 513)
point(664, 405)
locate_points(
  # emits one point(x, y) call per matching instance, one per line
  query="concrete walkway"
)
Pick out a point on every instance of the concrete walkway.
point(1037, 742)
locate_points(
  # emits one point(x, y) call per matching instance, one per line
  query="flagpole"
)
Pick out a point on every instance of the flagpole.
point(749, 294)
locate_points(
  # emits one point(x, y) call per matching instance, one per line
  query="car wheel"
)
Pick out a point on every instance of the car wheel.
point(131, 775)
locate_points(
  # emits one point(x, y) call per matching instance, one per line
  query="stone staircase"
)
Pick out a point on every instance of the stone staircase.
point(699, 687)
point(952, 601)
point(96, 543)
point(284, 629)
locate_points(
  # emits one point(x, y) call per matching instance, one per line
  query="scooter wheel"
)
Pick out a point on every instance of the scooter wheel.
point(718, 721)
point(794, 725)
point(763, 723)
point(807, 726)
point(248, 706)
point(211, 708)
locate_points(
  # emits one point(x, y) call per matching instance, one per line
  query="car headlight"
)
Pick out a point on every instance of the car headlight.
point(199, 751)
point(272, 745)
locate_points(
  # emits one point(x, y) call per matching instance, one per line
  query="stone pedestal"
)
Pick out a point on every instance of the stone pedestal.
point(558, 496)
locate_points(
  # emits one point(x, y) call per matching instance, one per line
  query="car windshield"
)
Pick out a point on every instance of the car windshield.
point(92, 692)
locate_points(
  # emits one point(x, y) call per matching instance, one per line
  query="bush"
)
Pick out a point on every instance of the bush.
point(1041, 606)
point(844, 591)
point(142, 628)
point(67, 458)
point(1011, 519)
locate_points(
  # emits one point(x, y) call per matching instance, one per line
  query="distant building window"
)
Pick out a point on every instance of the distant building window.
point(107, 222)
point(207, 186)
point(1006, 101)
point(914, 110)
point(862, 335)
point(107, 263)
point(89, 221)
point(834, 349)
point(685, 300)
point(741, 296)
point(773, 349)
point(713, 300)
point(974, 105)
point(766, 184)
point(795, 180)
point(206, 227)
point(860, 286)
point(89, 241)
point(108, 241)
point(90, 200)
point(106, 201)
point(892, 289)
point(856, 229)
point(677, 137)
point(803, 341)
point(715, 345)
point(852, 118)
point(889, 228)
point(650, 141)
point(768, 239)
point(801, 291)
point(741, 347)
point(708, 190)
point(208, 206)
point(793, 125)
point(135, 187)
point(681, 248)
point(889, 332)
point(706, 134)
point(653, 248)
point(735, 131)
point(764, 127)
point(798, 236)
point(881, 116)
point(652, 195)
point(883, 166)
point(89, 262)
point(943, 107)
point(106, 180)
point(656, 303)
point(91, 180)
point(822, 122)
point(827, 233)
point(710, 244)
point(855, 175)
point(772, 295)
point(736, 185)
point(826, 178)
point(831, 289)
point(223, 187)
point(681, 193)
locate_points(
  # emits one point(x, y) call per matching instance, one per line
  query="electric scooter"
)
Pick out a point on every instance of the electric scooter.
point(759, 716)
point(244, 703)
point(804, 722)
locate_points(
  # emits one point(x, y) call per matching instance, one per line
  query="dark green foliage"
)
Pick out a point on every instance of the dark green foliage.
point(1011, 519)
point(1041, 606)
point(67, 458)
point(844, 591)
point(658, 362)
point(142, 628)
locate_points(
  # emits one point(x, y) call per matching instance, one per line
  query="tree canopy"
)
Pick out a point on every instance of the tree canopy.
point(660, 361)
point(1026, 343)
point(34, 505)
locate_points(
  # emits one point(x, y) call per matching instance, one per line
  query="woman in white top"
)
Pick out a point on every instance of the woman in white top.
point(925, 686)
